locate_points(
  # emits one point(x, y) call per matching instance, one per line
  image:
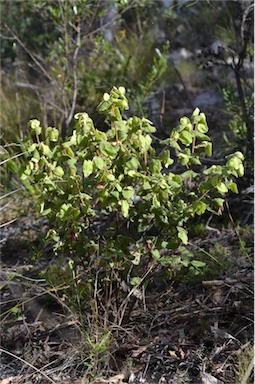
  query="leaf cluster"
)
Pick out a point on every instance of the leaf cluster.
point(110, 197)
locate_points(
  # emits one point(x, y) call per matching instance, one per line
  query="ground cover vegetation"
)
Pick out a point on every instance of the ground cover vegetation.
point(110, 269)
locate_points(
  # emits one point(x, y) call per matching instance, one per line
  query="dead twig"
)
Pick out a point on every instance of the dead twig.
point(211, 228)
point(13, 157)
point(8, 223)
point(27, 363)
point(29, 53)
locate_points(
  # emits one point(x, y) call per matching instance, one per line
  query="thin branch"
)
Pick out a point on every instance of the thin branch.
point(66, 69)
point(123, 306)
point(27, 363)
point(8, 223)
point(132, 5)
point(6, 205)
point(182, 83)
point(12, 145)
point(29, 53)
point(7, 37)
point(13, 157)
point(75, 77)
point(94, 14)
point(245, 15)
point(27, 86)
point(11, 193)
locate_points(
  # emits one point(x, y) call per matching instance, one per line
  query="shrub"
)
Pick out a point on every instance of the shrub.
point(118, 198)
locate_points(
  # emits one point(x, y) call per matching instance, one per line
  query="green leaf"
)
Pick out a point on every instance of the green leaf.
point(201, 136)
point(221, 187)
point(16, 311)
point(166, 159)
point(115, 194)
point(145, 142)
point(72, 141)
point(118, 187)
point(122, 90)
point(128, 192)
point(99, 136)
point(131, 173)
point(45, 150)
point(155, 254)
point(108, 149)
point(198, 264)
point(52, 134)
point(69, 152)
point(240, 155)
point(58, 171)
point(115, 112)
point(72, 163)
point(174, 184)
point(213, 170)
point(104, 106)
point(183, 159)
point(233, 187)
point(218, 202)
point(189, 174)
point(13, 166)
point(155, 202)
point(194, 160)
point(133, 163)
point(85, 196)
point(110, 177)
point(122, 129)
point(182, 234)
point(142, 142)
point(46, 212)
point(184, 262)
point(148, 141)
point(87, 167)
point(147, 126)
point(196, 112)
point(124, 208)
point(99, 162)
point(23, 176)
point(186, 137)
point(155, 166)
point(202, 127)
point(134, 281)
point(106, 96)
point(237, 155)
point(240, 170)
point(146, 186)
point(32, 147)
point(199, 207)
point(185, 121)
point(41, 207)
point(35, 126)
point(208, 149)
point(234, 162)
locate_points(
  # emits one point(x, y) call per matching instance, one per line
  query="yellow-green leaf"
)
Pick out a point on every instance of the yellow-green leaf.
point(128, 192)
point(87, 167)
point(124, 208)
point(99, 162)
point(182, 234)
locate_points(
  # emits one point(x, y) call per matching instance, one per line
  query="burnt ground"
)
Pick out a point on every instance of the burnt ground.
point(180, 330)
